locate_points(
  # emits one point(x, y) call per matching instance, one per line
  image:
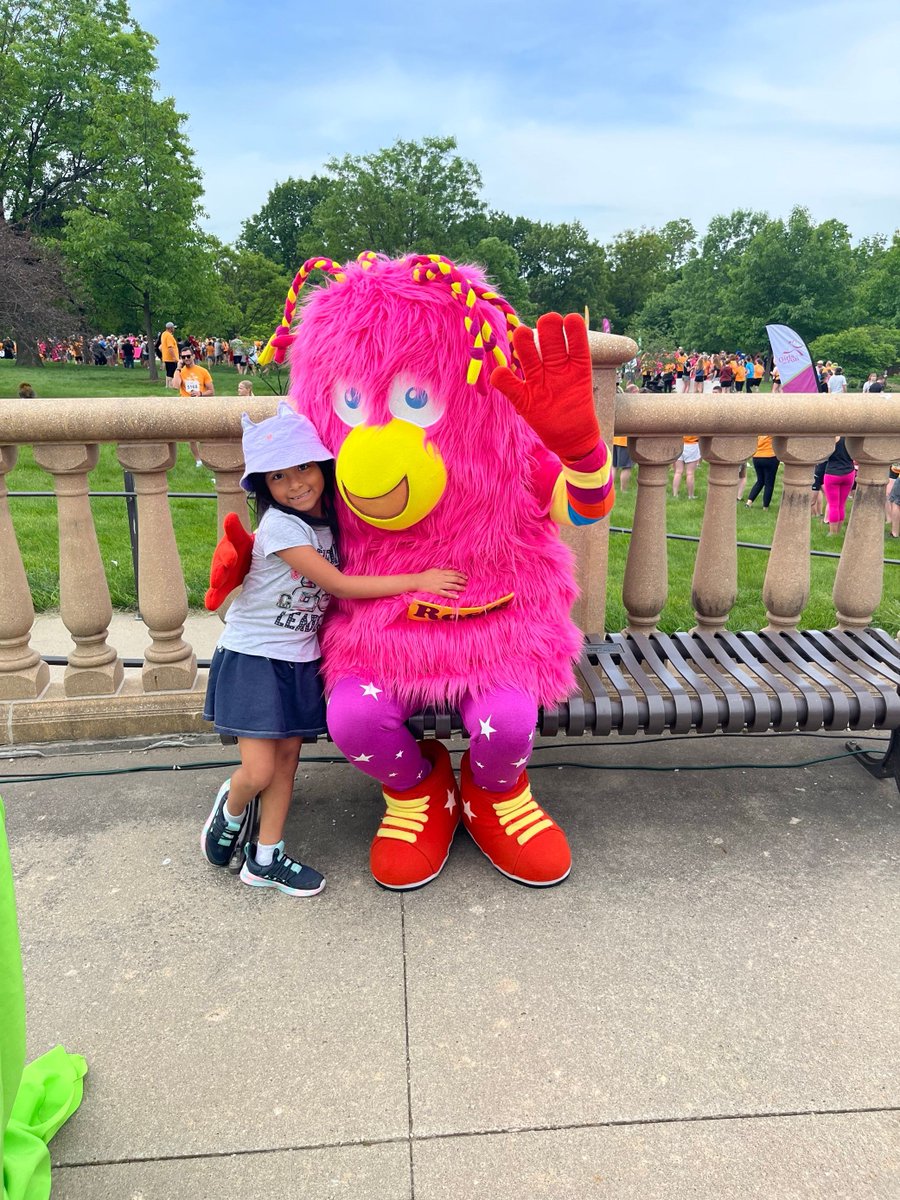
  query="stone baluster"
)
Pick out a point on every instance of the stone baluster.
point(226, 459)
point(23, 676)
point(94, 668)
point(786, 587)
point(714, 588)
point(169, 662)
point(646, 583)
point(860, 574)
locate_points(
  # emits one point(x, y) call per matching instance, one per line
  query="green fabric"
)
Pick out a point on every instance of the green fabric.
point(12, 992)
point(37, 1099)
point(49, 1093)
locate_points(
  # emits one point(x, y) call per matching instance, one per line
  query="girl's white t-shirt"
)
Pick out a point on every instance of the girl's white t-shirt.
point(279, 611)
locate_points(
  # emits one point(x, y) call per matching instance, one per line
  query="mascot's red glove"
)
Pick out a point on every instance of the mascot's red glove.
point(230, 562)
point(556, 396)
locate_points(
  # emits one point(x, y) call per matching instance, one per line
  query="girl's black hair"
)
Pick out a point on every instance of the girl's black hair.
point(262, 500)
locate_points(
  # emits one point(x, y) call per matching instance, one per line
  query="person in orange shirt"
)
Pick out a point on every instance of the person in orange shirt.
point(168, 352)
point(686, 463)
point(740, 374)
point(765, 464)
point(190, 379)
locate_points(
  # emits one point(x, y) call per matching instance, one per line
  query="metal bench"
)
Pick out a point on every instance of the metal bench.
point(727, 683)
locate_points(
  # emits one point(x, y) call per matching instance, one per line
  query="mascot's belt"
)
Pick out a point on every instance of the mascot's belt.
point(419, 610)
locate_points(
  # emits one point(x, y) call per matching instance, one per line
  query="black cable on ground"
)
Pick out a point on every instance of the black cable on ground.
point(157, 768)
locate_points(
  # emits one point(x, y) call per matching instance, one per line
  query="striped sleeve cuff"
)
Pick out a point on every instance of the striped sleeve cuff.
point(584, 490)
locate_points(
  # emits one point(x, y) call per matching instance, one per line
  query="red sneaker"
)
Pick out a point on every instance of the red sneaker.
point(516, 834)
point(413, 841)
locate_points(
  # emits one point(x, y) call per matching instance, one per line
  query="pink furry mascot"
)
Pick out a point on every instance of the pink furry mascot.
point(440, 462)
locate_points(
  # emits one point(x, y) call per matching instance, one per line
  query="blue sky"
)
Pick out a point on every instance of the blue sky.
point(619, 113)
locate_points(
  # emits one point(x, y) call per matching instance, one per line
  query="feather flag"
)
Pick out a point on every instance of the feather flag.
point(793, 360)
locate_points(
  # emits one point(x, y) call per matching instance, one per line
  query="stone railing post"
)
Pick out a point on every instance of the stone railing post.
point(645, 586)
point(590, 543)
point(226, 459)
point(786, 587)
point(860, 574)
point(169, 662)
point(23, 676)
point(94, 668)
point(714, 589)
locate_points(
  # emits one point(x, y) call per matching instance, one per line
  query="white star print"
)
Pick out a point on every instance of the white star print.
point(393, 775)
point(521, 762)
point(451, 802)
point(369, 689)
point(399, 754)
point(531, 736)
point(486, 728)
point(467, 809)
point(361, 758)
point(480, 765)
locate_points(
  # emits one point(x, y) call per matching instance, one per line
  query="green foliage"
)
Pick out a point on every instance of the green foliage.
point(639, 260)
point(285, 229)
point(859, 350)
point(251, 289)
point(67, 72)
point(136, 241)
point(409, 197)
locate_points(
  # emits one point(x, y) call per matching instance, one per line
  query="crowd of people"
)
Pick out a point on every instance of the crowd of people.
point(677, 371)
point(130, 349)
point(833, 480)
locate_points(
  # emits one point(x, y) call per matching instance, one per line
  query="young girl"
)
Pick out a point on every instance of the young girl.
point(264, 686)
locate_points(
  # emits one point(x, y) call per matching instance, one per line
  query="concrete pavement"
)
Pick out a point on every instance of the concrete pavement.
point(709, 1007)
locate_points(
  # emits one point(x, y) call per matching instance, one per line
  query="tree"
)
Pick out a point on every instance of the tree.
point(252, 288)
point(791, 273)
point(136, 241)
point(67, 70)
point(878, 296)
point(35, 301)
point(639, 262)
point(503, 269)
point(859, 350)
point(285, 228)
point(412, 196)
point(563, 267)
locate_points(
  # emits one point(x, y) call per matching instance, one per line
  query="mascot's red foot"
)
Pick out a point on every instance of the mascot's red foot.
point(413, 841)
point(510, 828)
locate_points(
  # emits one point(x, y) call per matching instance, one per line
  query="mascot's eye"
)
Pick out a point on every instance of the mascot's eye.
point(416, 397)
point(410, 402)
point(349, 405)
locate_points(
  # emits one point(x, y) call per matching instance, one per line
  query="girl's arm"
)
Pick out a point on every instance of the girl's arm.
point(310, 563)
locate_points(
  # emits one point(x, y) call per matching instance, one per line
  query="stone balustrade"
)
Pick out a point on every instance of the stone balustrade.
point(97, 697)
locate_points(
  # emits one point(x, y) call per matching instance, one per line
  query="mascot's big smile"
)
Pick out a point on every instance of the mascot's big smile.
point(385, 507)
point(388, 475)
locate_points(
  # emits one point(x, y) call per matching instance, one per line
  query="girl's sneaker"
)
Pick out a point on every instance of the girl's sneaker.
point(284, 873)
point(218, 837)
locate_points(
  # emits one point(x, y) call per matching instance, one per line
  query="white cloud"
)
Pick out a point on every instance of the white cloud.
point(805, 112)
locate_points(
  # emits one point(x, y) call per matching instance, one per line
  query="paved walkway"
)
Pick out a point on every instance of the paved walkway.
point(709, 1007)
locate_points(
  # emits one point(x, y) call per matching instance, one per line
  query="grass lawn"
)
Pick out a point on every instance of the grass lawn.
point(195, 522)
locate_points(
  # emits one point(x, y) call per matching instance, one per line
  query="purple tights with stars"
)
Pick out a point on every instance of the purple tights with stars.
point(367, 724)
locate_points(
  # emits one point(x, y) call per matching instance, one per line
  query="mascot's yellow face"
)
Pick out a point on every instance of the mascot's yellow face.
point(387, 474)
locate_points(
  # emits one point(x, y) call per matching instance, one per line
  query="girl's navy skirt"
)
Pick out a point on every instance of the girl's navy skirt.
point(247, 696)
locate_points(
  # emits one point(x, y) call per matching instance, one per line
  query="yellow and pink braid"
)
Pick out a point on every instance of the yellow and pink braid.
point(434, 267)
point(426, 268)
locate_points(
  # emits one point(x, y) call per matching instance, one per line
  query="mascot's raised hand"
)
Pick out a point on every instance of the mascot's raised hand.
point(230, 562)
point(555, 396)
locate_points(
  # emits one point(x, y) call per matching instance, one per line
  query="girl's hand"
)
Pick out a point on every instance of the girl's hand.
point(441, 583)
